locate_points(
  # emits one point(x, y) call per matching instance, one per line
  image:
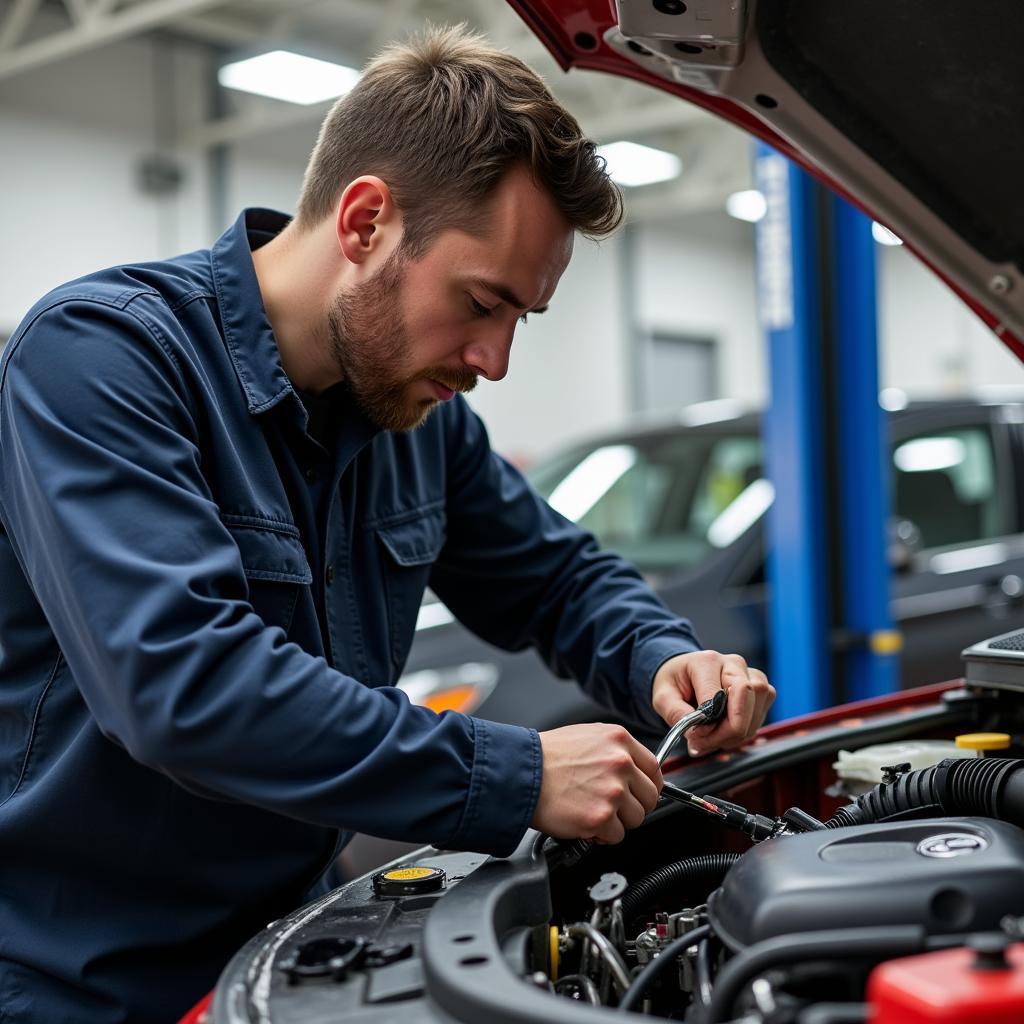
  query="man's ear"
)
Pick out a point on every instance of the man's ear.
point(367, 220)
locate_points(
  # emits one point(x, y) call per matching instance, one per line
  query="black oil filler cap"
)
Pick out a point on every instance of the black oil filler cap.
point(410, 881)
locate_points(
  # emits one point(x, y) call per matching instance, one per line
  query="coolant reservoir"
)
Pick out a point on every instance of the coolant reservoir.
point(865, 765)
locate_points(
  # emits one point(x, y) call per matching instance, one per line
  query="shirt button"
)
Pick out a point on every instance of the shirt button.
point(310, 475)
point(330, 575)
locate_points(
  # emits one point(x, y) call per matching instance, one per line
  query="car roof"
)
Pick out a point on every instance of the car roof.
point(748, 422)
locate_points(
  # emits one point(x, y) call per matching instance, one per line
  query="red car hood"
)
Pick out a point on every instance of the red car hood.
point(910, 109)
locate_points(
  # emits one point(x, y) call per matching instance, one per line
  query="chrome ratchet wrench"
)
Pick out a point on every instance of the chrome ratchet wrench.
point(710, 711)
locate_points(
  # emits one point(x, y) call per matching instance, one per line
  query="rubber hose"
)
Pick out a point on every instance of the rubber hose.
point(663, 962)
point(991, 787)
point(835, 1013)
point(709, 868)
point(875, 943)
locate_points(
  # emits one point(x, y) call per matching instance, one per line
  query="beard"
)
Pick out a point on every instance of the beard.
point(370, 344)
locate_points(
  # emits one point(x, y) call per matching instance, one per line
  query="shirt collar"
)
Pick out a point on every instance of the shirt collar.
point(247, 331)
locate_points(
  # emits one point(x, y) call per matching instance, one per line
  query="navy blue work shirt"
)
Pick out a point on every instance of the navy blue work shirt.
point(197, 679)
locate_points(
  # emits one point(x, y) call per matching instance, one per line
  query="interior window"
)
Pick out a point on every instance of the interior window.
point(944, 482)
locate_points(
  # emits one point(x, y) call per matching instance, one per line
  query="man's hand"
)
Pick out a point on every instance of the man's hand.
point(687, 680)
point(598, 781)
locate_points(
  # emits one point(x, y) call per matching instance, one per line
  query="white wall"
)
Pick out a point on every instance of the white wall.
point(697, 277)
point(569, 370)
point(72, 138)
point(73, 134)
point(931, 344)
point(256, 179)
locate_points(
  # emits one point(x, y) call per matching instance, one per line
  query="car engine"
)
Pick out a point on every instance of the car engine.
point(797, 921)
point(863, 864)
point(822, 919)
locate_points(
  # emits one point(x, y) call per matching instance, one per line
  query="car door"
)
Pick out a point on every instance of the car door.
point(954, 480)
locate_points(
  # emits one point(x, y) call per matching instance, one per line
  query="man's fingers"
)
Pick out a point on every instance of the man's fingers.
point(669, 703)
point(699, 676)
point(613, 832)
point(750, 696)
point(727, 673)
point(706, 670)
point(765, 697)
point(645, 760)
point(742, 702)
point(645, 792)
point(631, 812)
point(597, 781)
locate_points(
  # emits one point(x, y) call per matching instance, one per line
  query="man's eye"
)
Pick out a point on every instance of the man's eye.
point(478, 307)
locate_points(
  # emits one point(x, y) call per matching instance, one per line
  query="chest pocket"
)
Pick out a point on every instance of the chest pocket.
point(275, 566)
point(409, 551)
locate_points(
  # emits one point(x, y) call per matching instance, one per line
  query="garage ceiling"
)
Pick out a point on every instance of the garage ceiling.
point(36, 33)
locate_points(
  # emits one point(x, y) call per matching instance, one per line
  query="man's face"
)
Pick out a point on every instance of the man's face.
point(420, 330)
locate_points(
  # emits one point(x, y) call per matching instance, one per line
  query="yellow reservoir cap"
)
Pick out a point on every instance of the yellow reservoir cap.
point(408, 874)
point(411, 881)
point(983, 741)
point(555, 957)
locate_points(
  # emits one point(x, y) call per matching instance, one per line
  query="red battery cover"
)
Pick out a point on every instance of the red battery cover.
point(947, 988)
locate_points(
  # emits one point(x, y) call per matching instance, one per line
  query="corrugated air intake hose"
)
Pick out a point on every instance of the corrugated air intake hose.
point(990, 787)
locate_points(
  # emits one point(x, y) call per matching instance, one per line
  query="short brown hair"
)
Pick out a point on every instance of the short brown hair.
point(441, 119)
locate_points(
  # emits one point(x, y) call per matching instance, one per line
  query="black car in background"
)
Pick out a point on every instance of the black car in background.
point(685, 502)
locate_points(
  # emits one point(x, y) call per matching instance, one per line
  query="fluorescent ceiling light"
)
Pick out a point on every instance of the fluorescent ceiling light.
point(630, 164)
point(749, 205)
point(883, 236)
point(283, 75)
point(589, 481)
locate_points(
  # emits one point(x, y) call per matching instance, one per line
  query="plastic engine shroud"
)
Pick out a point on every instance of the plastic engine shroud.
point(896, 873)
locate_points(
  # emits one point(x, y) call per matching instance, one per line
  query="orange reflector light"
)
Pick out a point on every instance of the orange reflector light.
point(454, 698)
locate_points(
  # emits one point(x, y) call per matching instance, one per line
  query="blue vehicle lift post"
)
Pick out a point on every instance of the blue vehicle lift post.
point(829, 628)
point(866, 639)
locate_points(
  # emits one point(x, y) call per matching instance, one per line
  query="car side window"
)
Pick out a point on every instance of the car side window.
point(945, 484)
point(734, 464)
point(663, 502)
point(611, 491)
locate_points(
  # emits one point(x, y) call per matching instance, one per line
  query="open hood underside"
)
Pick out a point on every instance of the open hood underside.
point(912, 110)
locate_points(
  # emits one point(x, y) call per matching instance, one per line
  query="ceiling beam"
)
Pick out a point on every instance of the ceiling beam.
point(78, 11)
point(97, 31)
point(19, 14)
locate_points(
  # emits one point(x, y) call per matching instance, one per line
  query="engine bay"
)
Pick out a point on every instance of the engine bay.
point(799, 925)
point(865, 863)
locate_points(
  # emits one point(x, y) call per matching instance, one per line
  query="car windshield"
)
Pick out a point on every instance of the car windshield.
point(665, 501)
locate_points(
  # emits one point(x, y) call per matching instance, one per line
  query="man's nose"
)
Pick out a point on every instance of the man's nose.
point(488, 355)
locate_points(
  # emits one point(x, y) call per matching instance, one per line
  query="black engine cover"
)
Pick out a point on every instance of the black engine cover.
point(949, 874)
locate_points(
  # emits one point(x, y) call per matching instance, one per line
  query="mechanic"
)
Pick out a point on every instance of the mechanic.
point(226, 480)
